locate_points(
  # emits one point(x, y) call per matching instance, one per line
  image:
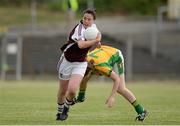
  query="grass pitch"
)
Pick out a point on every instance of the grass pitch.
point(34, 102)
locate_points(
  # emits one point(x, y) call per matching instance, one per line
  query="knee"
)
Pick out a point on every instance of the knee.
point(72, 93)
point(121, 90)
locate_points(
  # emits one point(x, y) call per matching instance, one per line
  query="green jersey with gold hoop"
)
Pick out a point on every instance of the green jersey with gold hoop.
point(105, 58)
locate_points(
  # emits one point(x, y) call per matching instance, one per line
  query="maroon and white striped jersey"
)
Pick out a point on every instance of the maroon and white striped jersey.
point(71, 50)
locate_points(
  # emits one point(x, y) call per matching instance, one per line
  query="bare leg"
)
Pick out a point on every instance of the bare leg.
point(86, 78)
point(126, 93)
point(63, 87)
point(62, 91)
point(74, 83)
point(83, 86)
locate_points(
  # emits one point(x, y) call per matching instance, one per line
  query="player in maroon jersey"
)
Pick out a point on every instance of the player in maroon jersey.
point(72, 64)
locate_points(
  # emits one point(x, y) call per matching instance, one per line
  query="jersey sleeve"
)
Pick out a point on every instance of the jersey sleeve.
point(75, 36)
point(78, 33)
point(94, 25)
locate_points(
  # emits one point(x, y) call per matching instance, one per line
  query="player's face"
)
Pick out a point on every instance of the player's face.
point(88, 20)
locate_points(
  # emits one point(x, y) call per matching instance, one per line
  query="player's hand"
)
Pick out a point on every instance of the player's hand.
point(110, 102)
point(98, 38)
point(98, 45)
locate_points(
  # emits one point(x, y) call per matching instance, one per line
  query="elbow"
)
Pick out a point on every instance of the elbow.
point(80, 45)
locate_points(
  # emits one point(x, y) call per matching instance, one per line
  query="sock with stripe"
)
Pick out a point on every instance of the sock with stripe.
point(138, 108)
point(60, 107)
point(68, 103)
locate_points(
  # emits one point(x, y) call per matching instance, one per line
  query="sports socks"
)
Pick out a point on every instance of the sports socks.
point(138, 108)
point(81, 95)
point(68, 103)
point(60, 107)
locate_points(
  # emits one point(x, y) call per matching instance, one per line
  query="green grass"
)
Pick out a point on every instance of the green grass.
point(34, 102)
point(14, 16)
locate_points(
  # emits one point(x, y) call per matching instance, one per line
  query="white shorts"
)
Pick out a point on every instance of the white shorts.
point(66, 68)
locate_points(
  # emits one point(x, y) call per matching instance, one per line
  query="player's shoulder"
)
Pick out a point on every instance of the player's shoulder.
point(94, 25)
point(108, 47)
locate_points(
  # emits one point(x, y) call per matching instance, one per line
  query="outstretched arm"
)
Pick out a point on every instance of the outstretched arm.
point(116, 79)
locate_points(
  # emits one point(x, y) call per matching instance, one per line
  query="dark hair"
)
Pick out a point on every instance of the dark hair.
point(90, 11)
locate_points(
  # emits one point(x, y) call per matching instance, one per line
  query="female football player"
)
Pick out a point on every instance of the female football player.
point(101, 62)
point(72, 64)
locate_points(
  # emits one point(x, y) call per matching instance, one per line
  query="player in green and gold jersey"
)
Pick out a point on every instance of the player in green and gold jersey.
point(101, 62)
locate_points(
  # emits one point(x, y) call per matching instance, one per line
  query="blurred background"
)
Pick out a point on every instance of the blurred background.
point(32, 32)
point(146, 31)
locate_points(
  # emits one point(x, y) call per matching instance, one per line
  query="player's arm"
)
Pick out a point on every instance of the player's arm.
point(84, 44)
point(116, 79)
